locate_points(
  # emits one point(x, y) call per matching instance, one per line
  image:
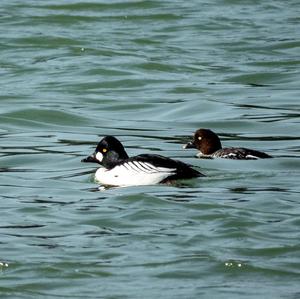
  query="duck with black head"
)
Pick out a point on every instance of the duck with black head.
point(118, 169)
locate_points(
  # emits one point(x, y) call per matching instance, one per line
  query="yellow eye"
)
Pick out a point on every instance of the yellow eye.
point(104, 150)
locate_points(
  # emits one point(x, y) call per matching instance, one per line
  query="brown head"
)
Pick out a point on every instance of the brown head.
point(206, 141)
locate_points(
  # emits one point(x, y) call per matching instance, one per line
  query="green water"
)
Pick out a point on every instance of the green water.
point(150, 73)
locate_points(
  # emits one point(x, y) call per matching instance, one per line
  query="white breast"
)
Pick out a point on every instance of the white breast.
point(133, 174)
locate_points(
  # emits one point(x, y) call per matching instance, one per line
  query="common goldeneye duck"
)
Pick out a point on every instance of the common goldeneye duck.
point(147, 169)
point(209, 145)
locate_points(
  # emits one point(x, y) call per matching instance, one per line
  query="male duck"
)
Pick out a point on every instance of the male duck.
point(147, 169)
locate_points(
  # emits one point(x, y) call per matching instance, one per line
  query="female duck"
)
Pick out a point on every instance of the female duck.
point(120, 170)
point(209, 145)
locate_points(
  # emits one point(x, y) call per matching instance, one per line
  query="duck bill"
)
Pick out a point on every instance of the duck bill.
point(90, 159)
point(190, 144)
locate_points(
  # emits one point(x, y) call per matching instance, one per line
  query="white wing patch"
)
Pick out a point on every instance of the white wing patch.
point(230, 155)
point(133, 173)
point(145, 167)
point(251, 157)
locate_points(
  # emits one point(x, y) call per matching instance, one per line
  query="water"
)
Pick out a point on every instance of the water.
point(150, 73)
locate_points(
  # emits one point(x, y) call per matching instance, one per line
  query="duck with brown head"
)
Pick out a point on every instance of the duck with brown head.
point(209, 145)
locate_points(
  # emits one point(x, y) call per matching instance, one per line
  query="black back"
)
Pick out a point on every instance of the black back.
point(241, 153)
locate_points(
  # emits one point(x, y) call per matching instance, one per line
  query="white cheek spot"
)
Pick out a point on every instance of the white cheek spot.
point(99, 157)
point(199, 138)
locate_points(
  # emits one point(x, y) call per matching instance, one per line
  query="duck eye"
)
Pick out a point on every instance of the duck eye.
point(104, 150)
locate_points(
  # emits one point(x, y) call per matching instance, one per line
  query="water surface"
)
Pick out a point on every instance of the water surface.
point(150, 73)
